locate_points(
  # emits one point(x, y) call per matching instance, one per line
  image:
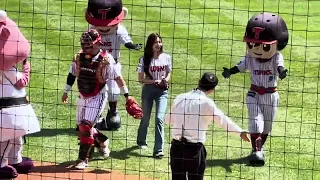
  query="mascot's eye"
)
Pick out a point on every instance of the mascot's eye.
point(266, 47)
point(250, 44)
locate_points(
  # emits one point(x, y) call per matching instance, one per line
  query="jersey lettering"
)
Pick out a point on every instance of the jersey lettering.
point(109, 46)
point(262, 72)
point(107, 43)
point(157, 68)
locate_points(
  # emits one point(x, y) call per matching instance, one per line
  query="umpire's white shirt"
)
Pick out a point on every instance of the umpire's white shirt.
point(194, 111)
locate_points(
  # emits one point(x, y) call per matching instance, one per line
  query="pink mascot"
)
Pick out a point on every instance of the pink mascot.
point(17, 115)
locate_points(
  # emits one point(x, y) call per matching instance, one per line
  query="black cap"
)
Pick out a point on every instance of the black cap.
point(104, 12)
point(267, 28)
point(208, 81)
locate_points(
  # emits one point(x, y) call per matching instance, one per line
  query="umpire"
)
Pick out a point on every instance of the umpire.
point(191, 114)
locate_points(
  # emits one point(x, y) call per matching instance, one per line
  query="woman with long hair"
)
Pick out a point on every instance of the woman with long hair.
point(154, 71)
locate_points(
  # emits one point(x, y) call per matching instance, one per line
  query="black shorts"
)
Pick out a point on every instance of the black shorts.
point(187, 159)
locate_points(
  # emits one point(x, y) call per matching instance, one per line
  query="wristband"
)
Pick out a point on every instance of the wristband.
point(67, 88)
point(125, 91)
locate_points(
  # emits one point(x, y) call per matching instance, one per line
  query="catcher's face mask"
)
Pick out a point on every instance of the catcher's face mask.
point(90, 40)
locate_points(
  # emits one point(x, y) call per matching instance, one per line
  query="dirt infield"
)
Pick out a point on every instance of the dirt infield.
point(50, 171)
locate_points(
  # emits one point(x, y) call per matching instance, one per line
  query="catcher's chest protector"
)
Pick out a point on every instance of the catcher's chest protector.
point(90, 74)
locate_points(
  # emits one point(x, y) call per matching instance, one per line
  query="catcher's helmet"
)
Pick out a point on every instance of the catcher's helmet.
point(104, 12)
point(90, 37)
point(267, 28)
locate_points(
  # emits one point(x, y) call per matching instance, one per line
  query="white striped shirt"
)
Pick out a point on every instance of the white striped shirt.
point(195, 111)
point(262, 74)
point(159, 67)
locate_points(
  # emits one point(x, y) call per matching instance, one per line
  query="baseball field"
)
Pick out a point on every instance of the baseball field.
point(201, 35)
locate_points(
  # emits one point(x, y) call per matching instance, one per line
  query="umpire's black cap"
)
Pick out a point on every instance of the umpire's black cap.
point(104, 12)
point(267, 28)
point(208, 81)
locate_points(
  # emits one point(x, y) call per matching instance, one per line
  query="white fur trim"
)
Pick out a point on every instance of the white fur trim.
point(3, 16)
point(125, 10)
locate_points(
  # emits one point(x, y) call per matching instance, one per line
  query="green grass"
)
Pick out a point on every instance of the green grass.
point(201, 36)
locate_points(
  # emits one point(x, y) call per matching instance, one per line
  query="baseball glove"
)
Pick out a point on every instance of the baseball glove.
point(163, 84)
point(133, 108)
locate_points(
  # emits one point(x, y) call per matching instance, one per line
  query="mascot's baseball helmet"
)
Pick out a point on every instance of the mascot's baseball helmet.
point(267, 28)
point(104, 12)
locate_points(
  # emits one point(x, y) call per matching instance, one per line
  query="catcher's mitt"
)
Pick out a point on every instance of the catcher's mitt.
point(163, 84)
point(133, 108)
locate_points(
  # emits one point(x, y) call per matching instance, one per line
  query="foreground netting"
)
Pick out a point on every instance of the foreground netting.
point(200, 35)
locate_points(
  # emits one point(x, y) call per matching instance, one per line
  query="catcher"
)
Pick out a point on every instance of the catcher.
point(154, 71)
point(93, 68)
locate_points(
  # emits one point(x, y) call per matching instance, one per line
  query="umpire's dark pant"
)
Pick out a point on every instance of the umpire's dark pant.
point(187, 159)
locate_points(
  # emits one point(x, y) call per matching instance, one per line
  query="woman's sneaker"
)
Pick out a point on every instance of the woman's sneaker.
point(159, 154)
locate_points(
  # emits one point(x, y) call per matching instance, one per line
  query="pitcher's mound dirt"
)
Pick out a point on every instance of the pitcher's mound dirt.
point(50, 171)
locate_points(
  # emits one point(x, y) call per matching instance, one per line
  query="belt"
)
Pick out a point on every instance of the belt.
point(262, 90)
point(185, 141)
point(12, 101)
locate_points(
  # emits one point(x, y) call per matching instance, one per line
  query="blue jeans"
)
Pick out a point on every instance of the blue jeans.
point(149, 94)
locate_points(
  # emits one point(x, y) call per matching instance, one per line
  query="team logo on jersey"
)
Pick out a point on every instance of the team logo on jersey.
point(271, 78)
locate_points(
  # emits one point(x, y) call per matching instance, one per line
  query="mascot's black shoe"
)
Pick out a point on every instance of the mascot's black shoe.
point(112, 122)
point(256, 159)
point(8, 172)
point(25, 166)
point(101, 124)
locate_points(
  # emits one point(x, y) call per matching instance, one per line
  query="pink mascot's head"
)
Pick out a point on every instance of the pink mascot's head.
point(14, 47)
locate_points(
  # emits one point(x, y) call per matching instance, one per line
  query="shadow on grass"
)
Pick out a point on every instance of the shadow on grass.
point(64, 167)
point(226, 163)
point(54, 132)
point(127, 153)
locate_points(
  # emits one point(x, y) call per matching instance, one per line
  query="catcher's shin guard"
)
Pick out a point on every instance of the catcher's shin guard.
point(85, 151)
point(86, 132)
point(99, 138)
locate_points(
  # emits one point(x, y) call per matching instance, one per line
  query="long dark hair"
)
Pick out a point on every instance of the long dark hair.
point(148, 52)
